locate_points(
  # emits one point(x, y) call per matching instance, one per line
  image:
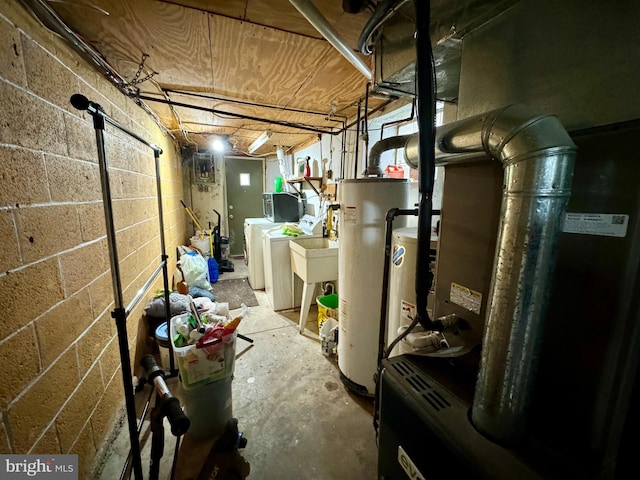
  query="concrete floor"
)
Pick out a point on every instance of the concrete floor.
point(299, 420)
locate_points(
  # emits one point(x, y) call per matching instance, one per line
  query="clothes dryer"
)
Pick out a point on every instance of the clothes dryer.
point(253, 251)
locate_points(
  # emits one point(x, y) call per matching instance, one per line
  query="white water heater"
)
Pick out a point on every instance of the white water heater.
point(402, 297)
point(402, 283)
point(364, 205)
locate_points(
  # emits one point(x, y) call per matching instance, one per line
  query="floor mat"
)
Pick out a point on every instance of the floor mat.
point(235, 292)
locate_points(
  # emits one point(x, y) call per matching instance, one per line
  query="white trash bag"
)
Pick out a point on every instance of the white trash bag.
point(196, 270)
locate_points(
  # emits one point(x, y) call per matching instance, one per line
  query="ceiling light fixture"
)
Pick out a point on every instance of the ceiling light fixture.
point(261, 140)
point(218, 145)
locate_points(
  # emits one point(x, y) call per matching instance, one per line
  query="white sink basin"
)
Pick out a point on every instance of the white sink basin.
point(314, 259)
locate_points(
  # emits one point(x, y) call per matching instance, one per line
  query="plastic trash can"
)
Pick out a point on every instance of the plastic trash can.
point(327, 308)
point(209, 407)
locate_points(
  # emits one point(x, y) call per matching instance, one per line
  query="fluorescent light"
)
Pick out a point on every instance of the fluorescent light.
point(261, 140)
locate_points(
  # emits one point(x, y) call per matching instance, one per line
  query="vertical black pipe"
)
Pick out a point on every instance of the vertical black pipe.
point(365, 124)
point(119, 313)
point(384, 302)
point(425, 92)
point(343, 153)
point(391, 215)
point(355, 162)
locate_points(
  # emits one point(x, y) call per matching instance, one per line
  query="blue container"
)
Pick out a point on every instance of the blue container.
point(213, 270)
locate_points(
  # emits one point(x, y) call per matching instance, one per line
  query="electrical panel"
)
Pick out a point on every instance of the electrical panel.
point(204, 169)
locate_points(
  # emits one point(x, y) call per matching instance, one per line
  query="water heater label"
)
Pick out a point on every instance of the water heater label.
point(608, 225)
point(351, 215)
point(466, 298)
point(344, 315)
point(408, 466)
point(407, 313)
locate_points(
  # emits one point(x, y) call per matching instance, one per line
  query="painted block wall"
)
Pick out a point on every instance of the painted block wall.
point(60, 381)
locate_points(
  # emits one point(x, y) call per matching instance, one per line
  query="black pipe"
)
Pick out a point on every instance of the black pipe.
point(374, 110)
point(236, 115)
point(391, 215)
point(252, 104)
point(425, 90)
point(343, 153)
point(402, 120)
point(384, 300)
point(355, 169)
point(365, 124)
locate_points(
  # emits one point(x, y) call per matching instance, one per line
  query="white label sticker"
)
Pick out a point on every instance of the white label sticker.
point(466, 298)
point(604, 224)
point(344, 315)
point(407, 312)
point(408, 466)
point(351, 215)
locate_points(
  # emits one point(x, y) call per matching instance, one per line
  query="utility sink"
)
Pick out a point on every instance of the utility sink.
point(314, 259)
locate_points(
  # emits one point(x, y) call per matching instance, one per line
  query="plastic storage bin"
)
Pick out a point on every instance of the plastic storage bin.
point(209, 408)
point(200, 366)
point(327, 308)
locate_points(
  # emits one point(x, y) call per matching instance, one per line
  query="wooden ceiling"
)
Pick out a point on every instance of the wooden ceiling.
point(258, 60)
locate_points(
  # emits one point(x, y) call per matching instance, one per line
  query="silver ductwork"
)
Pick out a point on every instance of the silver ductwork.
point(315, 18)
point(386, 144)
point(538, 157)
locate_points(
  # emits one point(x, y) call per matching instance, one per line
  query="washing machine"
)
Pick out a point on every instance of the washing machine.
point(253, 252)
point(283, 290)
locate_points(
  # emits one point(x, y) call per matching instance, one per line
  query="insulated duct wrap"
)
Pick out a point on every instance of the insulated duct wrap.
point(538, 157)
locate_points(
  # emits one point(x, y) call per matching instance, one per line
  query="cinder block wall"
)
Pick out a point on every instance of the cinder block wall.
point(60, 377)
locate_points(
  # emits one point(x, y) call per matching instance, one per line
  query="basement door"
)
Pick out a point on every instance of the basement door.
point(244, 180)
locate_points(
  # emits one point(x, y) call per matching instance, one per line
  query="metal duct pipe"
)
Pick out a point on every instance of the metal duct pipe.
point(538, 157)
point(391, 143)
point(315, 18)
